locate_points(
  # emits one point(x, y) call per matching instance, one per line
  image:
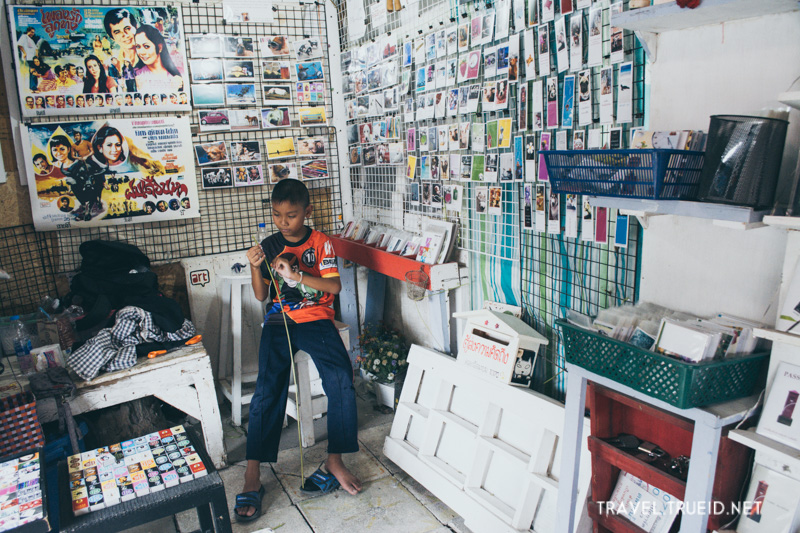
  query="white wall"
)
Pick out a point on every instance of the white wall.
point(734, 68)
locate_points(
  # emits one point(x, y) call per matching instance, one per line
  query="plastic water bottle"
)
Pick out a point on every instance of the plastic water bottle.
point(262, 232)
point(22, 344)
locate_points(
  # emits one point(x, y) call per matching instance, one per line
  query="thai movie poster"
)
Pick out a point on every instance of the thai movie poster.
point(110, 171)
point(79, 60)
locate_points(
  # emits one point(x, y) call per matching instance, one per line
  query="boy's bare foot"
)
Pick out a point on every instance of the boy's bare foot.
point(346, 479)
point(252, 481)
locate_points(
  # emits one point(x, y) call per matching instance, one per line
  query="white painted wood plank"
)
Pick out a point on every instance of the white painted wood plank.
point(777, 336)
point(717, 212)
point(770, 453)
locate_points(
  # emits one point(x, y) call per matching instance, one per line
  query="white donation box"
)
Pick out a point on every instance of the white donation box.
point(493, 343)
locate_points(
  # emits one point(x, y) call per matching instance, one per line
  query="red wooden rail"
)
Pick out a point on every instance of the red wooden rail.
point(388, 264)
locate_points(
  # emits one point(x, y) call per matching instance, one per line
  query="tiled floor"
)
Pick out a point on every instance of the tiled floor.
point(390, 501)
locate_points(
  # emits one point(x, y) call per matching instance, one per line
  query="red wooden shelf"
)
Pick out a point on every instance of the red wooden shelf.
point(624, 461)
point(389, 264)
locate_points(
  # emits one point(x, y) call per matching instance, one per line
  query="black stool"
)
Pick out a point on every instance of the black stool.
point(207, 494)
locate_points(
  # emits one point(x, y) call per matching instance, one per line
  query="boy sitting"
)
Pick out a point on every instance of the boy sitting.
point(305, 281)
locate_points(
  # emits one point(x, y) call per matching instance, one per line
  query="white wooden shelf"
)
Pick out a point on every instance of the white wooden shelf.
point(778, 453)
point(734, 216)
point(671, 17)
point(777, 336)
point(783, 222)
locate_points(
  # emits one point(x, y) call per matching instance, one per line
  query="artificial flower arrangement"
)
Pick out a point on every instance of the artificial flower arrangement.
point(384, 353)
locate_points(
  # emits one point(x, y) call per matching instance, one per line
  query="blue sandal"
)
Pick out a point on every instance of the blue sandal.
point(320, 483)
point(249, 499)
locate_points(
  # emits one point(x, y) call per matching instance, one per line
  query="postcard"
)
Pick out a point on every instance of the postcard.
point(552, 102)
point(537, 111)
point(478, 137)
point(455, 167)
point(501, 95)
point(444, 167)
point(276, 117)
point(238, 46)
point(473, 64)
point(615, 139)
point(522, 106)
point(411, 168)
point(414, 193)
point(527, 207)
point(601, 225)
point(504, 133)
point(275, 46)
point(211, 153)
point(452, 135)
point(466, 168)
point(244, 119)
point(506, 168)
point(206, 70)
point(595, 36)
point(571, 217)
point(487, 29)
point(576, 41)
point(255, 175)
point(276, 71)
point(463, 36)
point(621, 231)
point(354, 155)
point(310, 146)
point(478, 168)
point(276, 94)
point(242, 151)
point(217, 120)
point(554, 212)
point(585, 97)
point(513, 58)
point(240, 93)
point(617, 48)
point(280, 148)
point(309, 48)
point(519, 159)
point(240, 176)
point(548, 10)
point(579, 140)
point(282, 171)
point(476, 28)
point(314, 116)
point(491, 165)
point(544, 144)
point(544, 48)
point(502, 60)
point(495, 200)
point(314, 170)
point(481, 199)
point(370, 157)
point(426, 194)
point(463, 135)
point(433, 163)
point(530, 157)
point(208, 95)
point(606, 95)
point(587, 221)
point(569, 101)
point(207, 45)
point(236, 70)
point(625, 94)
point(541, 212)
point(529, 53)
point(562, 53)
point(502, 24)
point(425, 167)
point(561, 140)
point(309, 71)
point(593, 142)
point(216, 178)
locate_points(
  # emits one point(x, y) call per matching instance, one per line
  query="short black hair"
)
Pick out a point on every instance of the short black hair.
point(115, 16)
point(292, 191)
point(39, 156)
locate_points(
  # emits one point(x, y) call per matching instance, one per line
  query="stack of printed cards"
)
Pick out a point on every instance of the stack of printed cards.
point(20, 492)
point(106, 476)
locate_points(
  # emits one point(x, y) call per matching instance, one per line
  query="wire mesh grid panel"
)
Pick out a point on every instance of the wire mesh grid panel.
point(229, 216)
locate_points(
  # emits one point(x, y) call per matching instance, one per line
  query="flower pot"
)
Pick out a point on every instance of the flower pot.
point(385, 393)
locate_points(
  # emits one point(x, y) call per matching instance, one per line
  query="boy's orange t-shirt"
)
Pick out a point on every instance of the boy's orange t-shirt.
point(312, 255)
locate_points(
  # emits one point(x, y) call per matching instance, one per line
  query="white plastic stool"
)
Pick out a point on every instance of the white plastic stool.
point(230, 338)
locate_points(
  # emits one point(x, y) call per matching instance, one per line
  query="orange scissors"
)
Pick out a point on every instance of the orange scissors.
point(193, 340)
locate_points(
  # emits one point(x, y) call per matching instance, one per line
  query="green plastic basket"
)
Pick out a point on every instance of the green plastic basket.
point(671, 380)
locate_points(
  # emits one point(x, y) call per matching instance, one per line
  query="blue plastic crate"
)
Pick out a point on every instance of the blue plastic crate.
point(650, 174)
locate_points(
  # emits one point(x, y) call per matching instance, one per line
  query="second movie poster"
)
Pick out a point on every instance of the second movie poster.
point(74, 60)
point(110, 171)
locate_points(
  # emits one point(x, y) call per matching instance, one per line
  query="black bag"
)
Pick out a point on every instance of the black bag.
point(114, 275)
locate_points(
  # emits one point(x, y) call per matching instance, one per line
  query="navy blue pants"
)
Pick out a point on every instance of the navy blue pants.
point(322, 342)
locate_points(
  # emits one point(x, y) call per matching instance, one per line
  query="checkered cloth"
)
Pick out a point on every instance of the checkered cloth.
point(115, 348)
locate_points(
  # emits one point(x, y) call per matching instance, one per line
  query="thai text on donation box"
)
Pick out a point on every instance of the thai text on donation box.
point(499, 345)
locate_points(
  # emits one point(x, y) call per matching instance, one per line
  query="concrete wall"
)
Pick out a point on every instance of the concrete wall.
point(734, 68)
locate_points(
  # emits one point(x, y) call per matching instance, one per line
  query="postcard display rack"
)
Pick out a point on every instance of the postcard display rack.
point(488, 450)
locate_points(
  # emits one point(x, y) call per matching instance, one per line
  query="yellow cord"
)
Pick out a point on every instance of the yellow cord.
point(294, 376)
